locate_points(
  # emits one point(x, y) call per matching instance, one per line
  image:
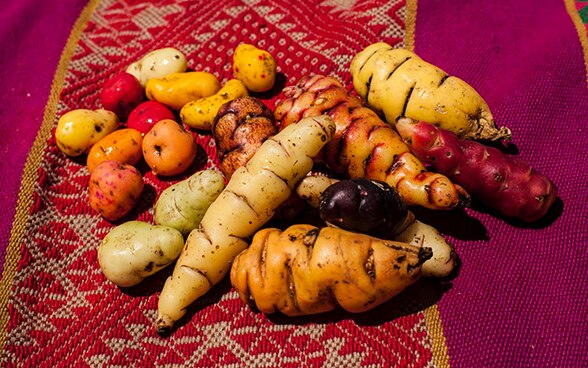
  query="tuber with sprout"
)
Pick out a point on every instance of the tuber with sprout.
point(503, 182)
point(364, 145)
point(307, 270)
point(248, 201)
point(397, 83)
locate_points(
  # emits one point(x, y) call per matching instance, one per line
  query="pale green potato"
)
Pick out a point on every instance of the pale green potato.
point(135, 249)
point(182, 205)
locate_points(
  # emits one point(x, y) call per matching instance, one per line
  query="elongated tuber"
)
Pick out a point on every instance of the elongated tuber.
point(364, 145)
point(373, 208)
point(248, 201)
point(398, 83)
point(505, 183)
point(307, 270)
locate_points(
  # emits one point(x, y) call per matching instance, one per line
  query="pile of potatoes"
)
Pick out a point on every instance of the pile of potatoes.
point(149, 113)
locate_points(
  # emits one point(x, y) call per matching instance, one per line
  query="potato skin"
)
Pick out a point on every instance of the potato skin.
point(134, 250)
point(397, 83)
point(123, 145)
point(121, 93)
point(177, 89)
point(240, 127)
point(168, 148)
point(306, 270)
point(114, 189)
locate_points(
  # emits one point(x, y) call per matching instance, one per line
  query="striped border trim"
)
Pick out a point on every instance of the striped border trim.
point(29, 177)
point(432, 316)
point(410, 24)
point(580, 27)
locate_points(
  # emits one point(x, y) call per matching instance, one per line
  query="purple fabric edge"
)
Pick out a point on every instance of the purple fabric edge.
point(33, 35)
point(519, 300)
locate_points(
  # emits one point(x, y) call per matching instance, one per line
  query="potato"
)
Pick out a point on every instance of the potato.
point(78, 130)
point(177, 89)
point(254, 67)
point(158, 64)
point(168, 148)
point(121, 93)
point(134, 250)
point(239, 128)
point(123, 145)
point(147, 114)
point(200, 113)
point(114, 189)
point(182, 205)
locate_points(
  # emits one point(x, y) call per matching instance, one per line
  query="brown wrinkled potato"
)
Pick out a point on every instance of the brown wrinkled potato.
point(240, 127)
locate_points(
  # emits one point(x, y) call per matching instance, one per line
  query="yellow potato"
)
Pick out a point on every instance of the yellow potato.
point(177, 89)
point(256, 68)
point(200, 113)
point(78, 130)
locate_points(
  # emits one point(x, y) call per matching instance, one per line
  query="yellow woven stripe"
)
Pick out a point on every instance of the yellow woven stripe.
point(581, 28)
point(410, 21)
point(29, 177)
point(435, 330)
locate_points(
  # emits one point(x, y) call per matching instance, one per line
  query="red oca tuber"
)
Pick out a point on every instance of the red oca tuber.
point(505, 183)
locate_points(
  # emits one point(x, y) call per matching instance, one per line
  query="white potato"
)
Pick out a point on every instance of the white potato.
point(135, 249)
point(158, 64)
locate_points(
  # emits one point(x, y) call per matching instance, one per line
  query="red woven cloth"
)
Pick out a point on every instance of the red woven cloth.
point(519, 300)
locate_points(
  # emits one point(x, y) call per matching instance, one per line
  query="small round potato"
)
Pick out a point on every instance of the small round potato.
point(135, 249)
point(158, 64)
point(123, 145)
point(114, 189)
point(255, 67)
point(169, 149)
point(78, 130)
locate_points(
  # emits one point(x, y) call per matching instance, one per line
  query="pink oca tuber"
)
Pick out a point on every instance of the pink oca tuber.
point(505, 183)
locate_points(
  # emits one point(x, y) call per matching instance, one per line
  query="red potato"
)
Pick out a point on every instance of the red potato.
point(121, 94)
point(505, 183)
point(169, 149)
point(114, 189)
point(147, 114)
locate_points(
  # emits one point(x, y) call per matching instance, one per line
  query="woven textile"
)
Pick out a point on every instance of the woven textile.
point(63, 312)
point(520, 298)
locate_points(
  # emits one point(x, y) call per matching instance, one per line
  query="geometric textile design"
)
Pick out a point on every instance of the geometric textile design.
point(62, 311)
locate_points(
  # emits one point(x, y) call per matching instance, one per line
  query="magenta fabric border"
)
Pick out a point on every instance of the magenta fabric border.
point(33, 35)
point(520, 299)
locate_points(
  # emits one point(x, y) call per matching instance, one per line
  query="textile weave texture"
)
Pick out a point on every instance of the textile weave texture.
point(62, 310)
point(519, 299)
